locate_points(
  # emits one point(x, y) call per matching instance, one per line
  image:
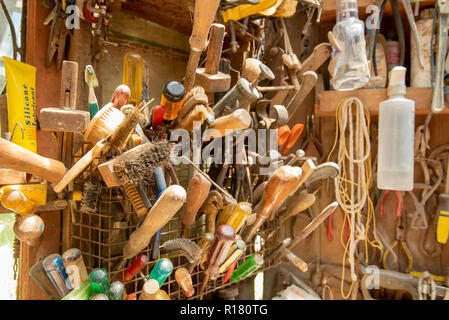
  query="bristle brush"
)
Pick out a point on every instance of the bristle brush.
point(182, 246)
point(92, 82)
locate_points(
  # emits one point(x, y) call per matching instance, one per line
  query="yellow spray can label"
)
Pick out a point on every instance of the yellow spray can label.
point(21, 90)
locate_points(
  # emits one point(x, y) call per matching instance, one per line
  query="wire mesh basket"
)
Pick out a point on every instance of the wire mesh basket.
point(101, 236)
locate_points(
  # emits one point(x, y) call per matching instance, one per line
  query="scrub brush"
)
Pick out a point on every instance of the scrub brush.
point(92, 82)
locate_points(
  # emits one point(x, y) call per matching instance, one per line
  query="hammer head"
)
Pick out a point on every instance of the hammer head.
point(219, 82)
point(63, 120)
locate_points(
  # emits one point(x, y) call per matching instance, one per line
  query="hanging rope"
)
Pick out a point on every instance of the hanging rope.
point(353, 184)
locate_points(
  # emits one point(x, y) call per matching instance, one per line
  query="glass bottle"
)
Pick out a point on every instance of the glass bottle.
point(351, 69)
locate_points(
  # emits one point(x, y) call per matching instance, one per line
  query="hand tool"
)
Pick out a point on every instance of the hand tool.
point(99, 281)
point(121, 96)
point(197, 193)
point(117, 139)
point(323, 171)
point(394, 280)
point(172, 99)
point(319, 55)
point(241, 92)
point(258, 191)
point(149, 290)
point(90, 196)
point(29, 228)
point(66, 118)
point(217, 253)
point(399, 242)
point(209, 77)
point(160, 186)
point(38, 274)
point(330, 209)
point(442, 216)
point(229, 273)
point(443, 25)
point(204, 15)
point(204, 243)
point(162, 211)
point(237, 250)
point(161, 270)
point(279, 112)
point(280, 186)
point(59, 35)
point(311, 138)
point(250, 69)
point(413, 30)
point(184, 281)
point(248, 267)
point(307, 83)
point(399, 204)
point(184, 247)
point(161, 295)
point(133, 76)
point(213, 203)
point(103, 124)
point(76, 269)
point(236, 216)
point(130, 168)
point(240, 119)
point(287, 137)
point(21, 159)
point(135, 268)
point(246, 10)
point(116, 291)
point(195, 108)
point(92, 82)
point(56, 271)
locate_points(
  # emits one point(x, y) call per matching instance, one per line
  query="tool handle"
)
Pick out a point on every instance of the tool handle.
point(69, 84)
point(81, 165)
point(197, 193)
point(161, 186)
point(297, 261)
point(239, 120)
point(215, 48)
point(298, 204)
point(15, 157)
point(170, 201)
point(204, 15)
point(219, 249)
point(438, 90)
point(314, 224)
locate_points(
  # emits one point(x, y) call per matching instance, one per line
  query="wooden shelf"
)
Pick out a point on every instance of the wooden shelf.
point(328, 14)
point(327, 101)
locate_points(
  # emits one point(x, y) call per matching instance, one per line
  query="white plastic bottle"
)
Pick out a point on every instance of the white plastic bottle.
point(396, 136)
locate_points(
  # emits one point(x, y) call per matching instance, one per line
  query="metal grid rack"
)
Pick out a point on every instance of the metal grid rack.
point(101, 236)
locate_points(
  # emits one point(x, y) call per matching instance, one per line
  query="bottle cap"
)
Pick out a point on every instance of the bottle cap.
point(174, 91)
point(396, 85)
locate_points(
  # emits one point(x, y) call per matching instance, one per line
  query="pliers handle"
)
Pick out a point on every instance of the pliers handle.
point(399, 202)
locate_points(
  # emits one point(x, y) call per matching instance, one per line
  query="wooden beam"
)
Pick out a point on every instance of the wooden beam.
point(47, 95)
point(328, 100)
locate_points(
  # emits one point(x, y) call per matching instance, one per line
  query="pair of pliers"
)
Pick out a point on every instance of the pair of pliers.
point(59, 34)
point(399, 202)
point(287, 137)
point(399, 242)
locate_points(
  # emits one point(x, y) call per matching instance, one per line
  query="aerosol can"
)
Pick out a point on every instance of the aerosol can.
point(396, 136)
point(351, 69)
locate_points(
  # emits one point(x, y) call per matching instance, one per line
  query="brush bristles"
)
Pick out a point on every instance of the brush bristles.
point(91, 194)
point(121, 134)
point(199, 113)
point(139, 169)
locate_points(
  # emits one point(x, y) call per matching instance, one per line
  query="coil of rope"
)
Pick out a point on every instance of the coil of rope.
point(353, 184)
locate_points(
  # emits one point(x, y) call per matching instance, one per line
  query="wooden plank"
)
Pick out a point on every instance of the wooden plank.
point(330, 6)
point(10, 176)
point(3, 115)
point(329, 100)
point(47, 95)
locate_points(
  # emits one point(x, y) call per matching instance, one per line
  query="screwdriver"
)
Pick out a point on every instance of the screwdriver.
point(442, 218)
point(217, 254)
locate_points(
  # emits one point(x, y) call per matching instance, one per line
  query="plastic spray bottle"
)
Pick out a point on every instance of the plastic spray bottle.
point(396, 136)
